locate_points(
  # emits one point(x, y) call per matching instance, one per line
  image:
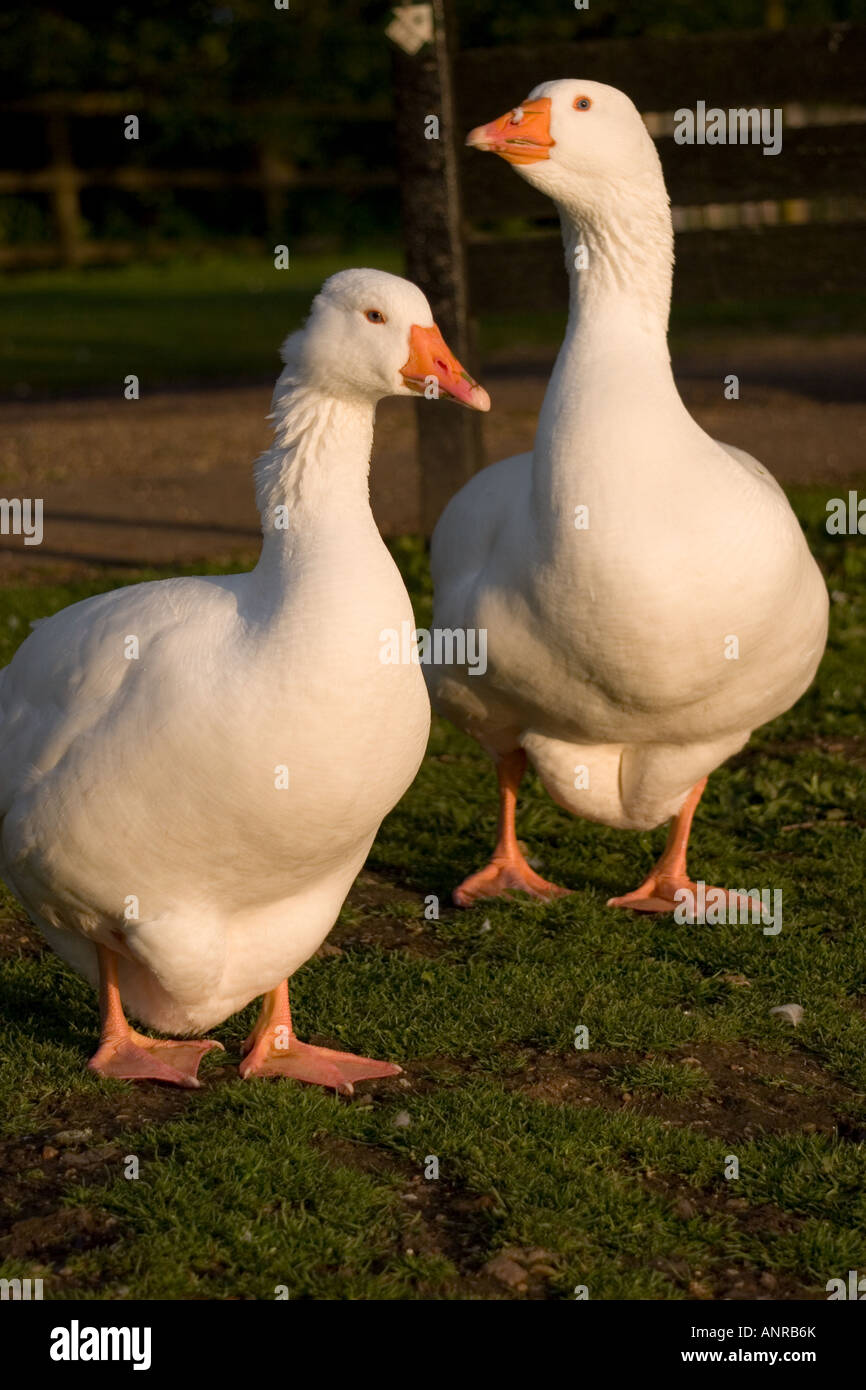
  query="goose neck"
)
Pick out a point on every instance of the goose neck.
point(613, 375)
point(619, 253)
point(314, 480)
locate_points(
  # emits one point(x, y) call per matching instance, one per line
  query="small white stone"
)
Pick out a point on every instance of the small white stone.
point(402, 1120)
point(68, 1137)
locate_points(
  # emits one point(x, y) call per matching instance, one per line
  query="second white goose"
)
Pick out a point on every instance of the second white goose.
point(648, 595)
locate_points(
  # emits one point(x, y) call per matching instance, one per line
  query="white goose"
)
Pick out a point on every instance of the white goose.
point(192, 771)
point(634, 645)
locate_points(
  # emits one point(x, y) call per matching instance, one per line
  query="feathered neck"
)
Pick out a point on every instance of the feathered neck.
point(314, 480)
point(619, 249)
point(613, 374)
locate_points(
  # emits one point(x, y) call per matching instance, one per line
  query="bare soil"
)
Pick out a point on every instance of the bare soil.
point(166, 480)
point(747, 1091)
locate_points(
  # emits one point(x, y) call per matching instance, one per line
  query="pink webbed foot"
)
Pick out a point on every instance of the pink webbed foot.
point(273, 1050)
point(508, 872)
point(274, 1054)
point(133, 1057)
point(658, 893)
point(659, 890)
point(503, 878)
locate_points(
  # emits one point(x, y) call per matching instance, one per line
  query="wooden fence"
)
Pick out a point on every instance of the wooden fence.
point(62, 180)
point(746, 224)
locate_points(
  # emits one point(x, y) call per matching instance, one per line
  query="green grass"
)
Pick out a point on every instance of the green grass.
point(660, 1078)
point(611, 1160)
point(221, 318)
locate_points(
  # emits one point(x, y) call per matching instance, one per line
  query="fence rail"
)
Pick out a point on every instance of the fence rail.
point(62, 180)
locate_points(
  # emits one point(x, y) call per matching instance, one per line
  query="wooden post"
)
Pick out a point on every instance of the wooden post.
point(449, 436)
point(273, 172)
point(64, 190)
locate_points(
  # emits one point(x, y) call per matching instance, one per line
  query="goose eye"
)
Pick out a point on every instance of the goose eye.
point(582, 103)
point(374, 316)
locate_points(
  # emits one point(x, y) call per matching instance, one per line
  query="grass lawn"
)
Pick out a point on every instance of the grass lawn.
point(216, 319)
point(222, 318)
point(603, 1167)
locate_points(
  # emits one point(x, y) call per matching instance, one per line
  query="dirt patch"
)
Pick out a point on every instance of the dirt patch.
point(745, 1091)
point(76, 1148)
point(378, 913)
point(444, 1218)
point(732, 1280)
point(752, 1097)
point(440, 1217)
point(852, 748)
point(19, 938)
point(167, 481)
point(57, 1236)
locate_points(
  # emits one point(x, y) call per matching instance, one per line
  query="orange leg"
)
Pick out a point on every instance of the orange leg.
point(658, 890)
point(508, 872)
point(129, 1055)
point(273, 1050)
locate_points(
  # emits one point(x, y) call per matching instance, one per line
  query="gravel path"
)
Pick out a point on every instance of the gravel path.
point(166, 480)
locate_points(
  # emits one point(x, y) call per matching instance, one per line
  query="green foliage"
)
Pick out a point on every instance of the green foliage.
point(198, 53)
point(200, 76)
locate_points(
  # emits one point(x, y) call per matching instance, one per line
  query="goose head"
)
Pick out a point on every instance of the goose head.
point(371, 334)
point(574, 140)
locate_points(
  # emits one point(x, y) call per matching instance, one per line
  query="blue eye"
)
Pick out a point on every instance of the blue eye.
point(582, 103)
point(375, 316)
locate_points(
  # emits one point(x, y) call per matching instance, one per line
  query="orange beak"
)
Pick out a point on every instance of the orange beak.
point(430, 356)
point(521, 136)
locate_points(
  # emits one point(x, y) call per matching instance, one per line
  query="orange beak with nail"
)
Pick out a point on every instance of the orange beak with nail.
point(430, 356)
point(521, 136)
